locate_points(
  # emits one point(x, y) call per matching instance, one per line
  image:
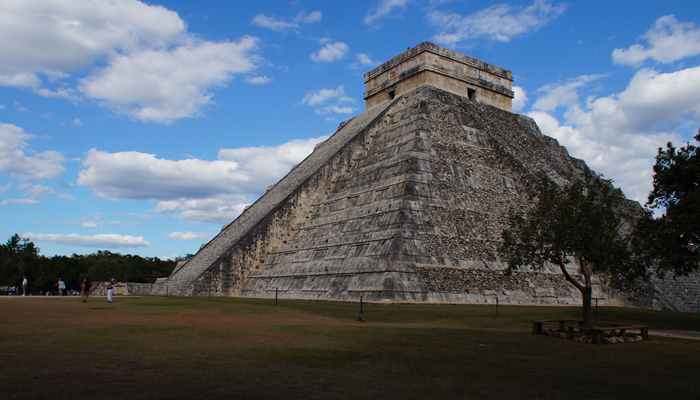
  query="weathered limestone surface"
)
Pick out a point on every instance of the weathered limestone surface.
point(180, 281)
point(676, 293)
point(406, 204)
point(122, 288)
point(429, 64)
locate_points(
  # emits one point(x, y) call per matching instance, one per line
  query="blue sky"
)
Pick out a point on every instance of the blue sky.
point(144, 127)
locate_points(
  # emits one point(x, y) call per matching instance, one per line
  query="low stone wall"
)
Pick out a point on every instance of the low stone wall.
point(121, 288)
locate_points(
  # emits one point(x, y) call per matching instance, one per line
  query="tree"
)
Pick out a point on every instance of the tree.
point(578, 223)
point(19, 257)
point(674, 238)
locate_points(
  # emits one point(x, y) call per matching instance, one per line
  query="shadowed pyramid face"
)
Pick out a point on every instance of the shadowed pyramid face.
point(406, 202)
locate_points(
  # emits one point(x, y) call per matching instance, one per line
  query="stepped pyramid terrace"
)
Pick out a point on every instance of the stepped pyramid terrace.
point(405, 202)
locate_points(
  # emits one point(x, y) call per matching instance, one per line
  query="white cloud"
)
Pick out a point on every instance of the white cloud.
point(258, 80)
point(164, 85)
point(667, 41)
point(269, 163)
point(557, 95)
point(500, 23)
point(331, 51)
point(18, 201)
point(218, 209)
point(520, 98)
point(309, 18)
point(365, 59)
point(618, 134)
point(335, 110)
point(194, 189)
point(89, 224)
point(329, 101)
point(136, 58)
point(323, 96)
point(282, 24)
point(273, 23)
point(53, 38)
point(77, 122)
point(60, 93)
point(17, 159)
point(138, 175)
point(108, 240)
point(188, 235)
point(383, 9)
point(20, 79)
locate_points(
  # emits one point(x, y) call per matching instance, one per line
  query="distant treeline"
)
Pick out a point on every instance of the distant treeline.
point(20, 257)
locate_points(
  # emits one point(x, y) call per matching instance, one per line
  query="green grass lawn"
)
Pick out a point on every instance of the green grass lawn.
point(149, 347)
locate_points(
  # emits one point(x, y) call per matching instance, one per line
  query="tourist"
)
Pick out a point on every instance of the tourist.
point(110, 290)
point(85, 289)
point(25, 286)
point(61, 287)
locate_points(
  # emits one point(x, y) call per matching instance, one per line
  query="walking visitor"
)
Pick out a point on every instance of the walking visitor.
point(61, 287)
point(110, 290)
point(25, 286)
point(85, 289)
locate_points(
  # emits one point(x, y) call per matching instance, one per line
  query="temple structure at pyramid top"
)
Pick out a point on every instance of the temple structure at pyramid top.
point(429, 64)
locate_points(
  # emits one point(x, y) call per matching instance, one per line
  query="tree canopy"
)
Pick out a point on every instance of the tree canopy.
point(576, 223)
point(673, 239)
point(20, 257)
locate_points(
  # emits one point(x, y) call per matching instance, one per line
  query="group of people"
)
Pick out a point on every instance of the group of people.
point(60, 285)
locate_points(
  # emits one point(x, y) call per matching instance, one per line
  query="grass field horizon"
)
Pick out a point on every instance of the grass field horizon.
point(158, 347)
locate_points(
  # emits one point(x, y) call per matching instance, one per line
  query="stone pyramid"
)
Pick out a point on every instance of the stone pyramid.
point(404, 202)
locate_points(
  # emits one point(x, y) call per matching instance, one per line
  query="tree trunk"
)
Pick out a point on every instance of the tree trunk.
point(587, 306)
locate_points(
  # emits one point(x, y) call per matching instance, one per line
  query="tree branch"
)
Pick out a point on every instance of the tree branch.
point(570, 278)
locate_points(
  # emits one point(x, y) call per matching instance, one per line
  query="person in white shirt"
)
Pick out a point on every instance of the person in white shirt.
point(110, 290)
point(61, 287)
point(25, 286)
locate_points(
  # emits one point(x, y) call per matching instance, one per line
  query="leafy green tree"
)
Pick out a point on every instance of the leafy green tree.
point(20, 257)
point(673, 239)
point(579, 223)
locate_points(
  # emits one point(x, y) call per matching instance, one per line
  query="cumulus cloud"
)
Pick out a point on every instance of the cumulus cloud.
point(55, 38)
point(18, 159)
point(194, 189)
point(217, 209)
point(382, 9)
point(365, 60)
point(519, 99)
point(258, 80)
point(282, 24)
point(330, 51)
point(144, 53)
point(500, 23)
point(19, 201)
point(109, 240)
point(618, 134)
point(89, 224)
point(667, 41)
point(323, 96)
point(269, 163)
point(164, 85)
point(188, 235)
point(136, 175)
point(557, 95)
point(329, 101)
